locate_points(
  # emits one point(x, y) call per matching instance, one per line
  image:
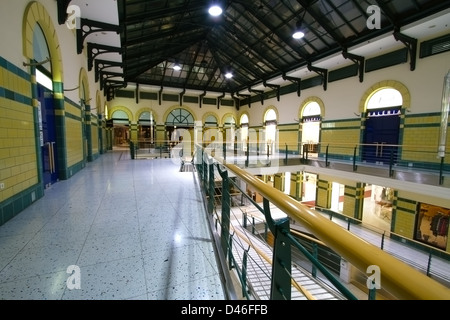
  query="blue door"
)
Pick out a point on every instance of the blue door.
point(47, 135)
point(381, 139)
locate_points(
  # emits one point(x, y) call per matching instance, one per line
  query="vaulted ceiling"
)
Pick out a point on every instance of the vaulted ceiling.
point(251, 39)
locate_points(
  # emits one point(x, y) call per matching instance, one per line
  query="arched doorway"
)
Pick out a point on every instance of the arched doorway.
point(270, 124)
point(382, 126)
point(311, 119)
point(229, 128)
point(146, 129)
point(243, 138)
point(211, 130)
point(121, 128)
point(46, 112)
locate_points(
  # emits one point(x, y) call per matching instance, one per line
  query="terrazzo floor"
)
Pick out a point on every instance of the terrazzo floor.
point(118, 229)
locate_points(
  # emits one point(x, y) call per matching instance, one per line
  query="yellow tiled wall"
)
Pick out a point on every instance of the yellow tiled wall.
point(323, 194)
point(94, 136)
point(295, 185)
point(74, 141)
point(421, 138)
point(18, 163)
point(405, 217)
point(342, 136)
point(288, 134)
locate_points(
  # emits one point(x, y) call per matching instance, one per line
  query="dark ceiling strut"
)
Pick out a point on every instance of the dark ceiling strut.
point(359, 60)
point(181, 96)
point(248, 96)
point(137, 93)
point(219, 98)
point(99, 49)
point(261, 57)
point(103, 75)
point(93, 26)
point(322, 72)
point(100, 65)
point(411, 44)
point(322, 22)
point(163, 74)
point(273, 31)
point(273, 86)
point(111, 86)
point(384, 8)
point(295, 80)
point(260, 92)
point(241, 68)
point(191, 64)
point(201, 98)
point(339, 13)
point(237, 101)
point(62, 6)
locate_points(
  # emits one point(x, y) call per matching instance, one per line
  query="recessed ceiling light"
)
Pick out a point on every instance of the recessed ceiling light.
point(298, 35)
point(215, 10)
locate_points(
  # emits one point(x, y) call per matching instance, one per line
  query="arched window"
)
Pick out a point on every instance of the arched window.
point(385, 98)
point(311, 127)
point(244, 131)
point(178, 119)
point(270, 123)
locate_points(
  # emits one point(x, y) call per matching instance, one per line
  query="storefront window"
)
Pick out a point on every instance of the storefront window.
point(432, 225)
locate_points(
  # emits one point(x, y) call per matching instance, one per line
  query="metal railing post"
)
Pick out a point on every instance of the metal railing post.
point(286, 156)
point(226, 205)
point(391, 163)
point(211, 188)
point(282, 256)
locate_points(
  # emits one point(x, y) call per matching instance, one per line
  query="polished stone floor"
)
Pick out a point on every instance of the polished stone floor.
point(118, 229)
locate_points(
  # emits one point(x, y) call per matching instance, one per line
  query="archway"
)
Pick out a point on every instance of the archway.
point(179, 126)
point(229, 128)
point(382, 126)
point(121, 128)
point(146, 129)
point(310, 121)
point(270, 126)
point(45, 98)
point(243, 138)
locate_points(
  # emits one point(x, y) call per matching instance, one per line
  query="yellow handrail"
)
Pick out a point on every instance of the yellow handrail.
point(397, 277)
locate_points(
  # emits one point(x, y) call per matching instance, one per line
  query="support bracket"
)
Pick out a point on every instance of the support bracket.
point(94, 49)
point(295, 80)
point(411, 44)
point(274, 87)
point(358, 60)
point(90, 26)
point(321, 72)
point(246, 96)
point(260, 92)
point(100, 65)
point(220, 98)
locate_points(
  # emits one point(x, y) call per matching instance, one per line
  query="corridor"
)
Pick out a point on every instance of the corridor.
point(135, 230)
